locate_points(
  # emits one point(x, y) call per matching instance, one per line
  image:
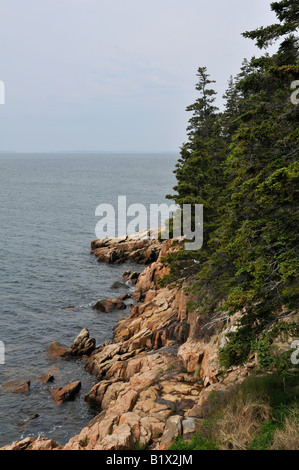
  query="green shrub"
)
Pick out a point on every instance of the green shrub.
point(196, 443)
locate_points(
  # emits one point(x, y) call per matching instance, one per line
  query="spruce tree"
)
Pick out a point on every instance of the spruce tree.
point(258, 239)
point(199, 172)
point(242, 165)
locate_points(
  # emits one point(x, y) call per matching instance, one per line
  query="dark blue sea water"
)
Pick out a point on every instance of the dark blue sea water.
point(47, 222)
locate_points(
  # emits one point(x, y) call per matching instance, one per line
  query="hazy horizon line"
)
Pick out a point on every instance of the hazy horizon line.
point(116, 152)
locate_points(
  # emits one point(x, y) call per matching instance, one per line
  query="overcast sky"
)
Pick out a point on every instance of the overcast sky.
point(114, 75)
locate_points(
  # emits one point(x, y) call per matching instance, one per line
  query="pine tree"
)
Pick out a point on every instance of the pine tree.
point(258, 239)
point(204, 111)
point(287, 12)
point(242, 164)
point(199, 172)
point(232, 97)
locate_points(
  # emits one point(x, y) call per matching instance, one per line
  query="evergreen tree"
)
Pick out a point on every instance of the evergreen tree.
point(287, 12)
point(204, 111)
point(242, 164)
point(199, 172)
point(258, 238)
point(232, 96)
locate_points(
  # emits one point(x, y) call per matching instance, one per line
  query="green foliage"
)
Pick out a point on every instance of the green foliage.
point(264, 438)
point(84, 441)
point(279, 391)
point(287, 12)
point(191, 306)
point(196, 443)
point(269, 356)
point(265, 401)
point(242, 165)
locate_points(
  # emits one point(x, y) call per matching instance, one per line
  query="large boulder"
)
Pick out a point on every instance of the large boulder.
point(132, 277)
point(58, 351)
point(109, 305)
point(46, 378)
point(121, 439)
point(83, 345)
point(29, 443)
point(62, 394)
point(139, 249)
point(173, 429)
point(16, 386)
point(191, 353)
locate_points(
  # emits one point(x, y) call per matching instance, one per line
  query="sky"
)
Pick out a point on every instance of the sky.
point(117, 75)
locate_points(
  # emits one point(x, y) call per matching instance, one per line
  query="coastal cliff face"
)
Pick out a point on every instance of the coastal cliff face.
point(160, 367)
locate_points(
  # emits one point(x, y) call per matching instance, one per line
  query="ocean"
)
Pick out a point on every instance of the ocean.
point(48, 279)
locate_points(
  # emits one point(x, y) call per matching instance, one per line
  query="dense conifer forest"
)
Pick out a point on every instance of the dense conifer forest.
point(241, 163)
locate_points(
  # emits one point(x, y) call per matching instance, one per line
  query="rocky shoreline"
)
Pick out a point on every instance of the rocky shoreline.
point(158, 370)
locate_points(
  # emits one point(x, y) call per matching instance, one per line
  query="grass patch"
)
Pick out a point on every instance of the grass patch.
point(84, 441)
point(286, 437)
point(262, 413)
point(196, 443)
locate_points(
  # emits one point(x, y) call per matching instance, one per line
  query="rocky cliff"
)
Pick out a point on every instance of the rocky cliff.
point(160, 367)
